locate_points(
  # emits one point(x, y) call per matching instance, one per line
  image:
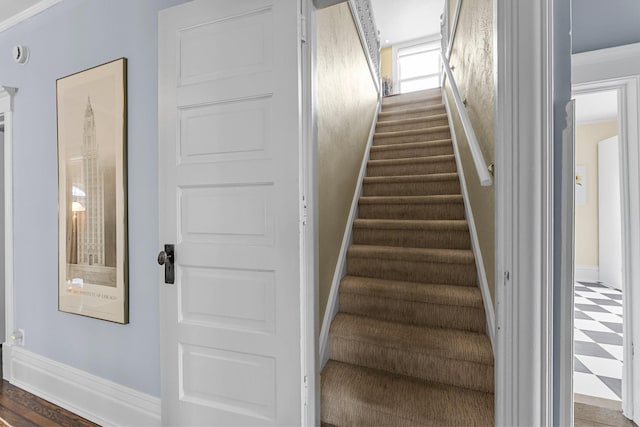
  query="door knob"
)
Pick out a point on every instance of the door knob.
point(164, 258)
point(167, 258)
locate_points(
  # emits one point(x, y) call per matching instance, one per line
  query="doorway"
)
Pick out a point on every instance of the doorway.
point(598, 286)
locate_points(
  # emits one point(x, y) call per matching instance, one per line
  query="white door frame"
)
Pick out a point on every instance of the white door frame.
point(309, 232)
point(618, 69)
point(6, 109)
point(524, 203)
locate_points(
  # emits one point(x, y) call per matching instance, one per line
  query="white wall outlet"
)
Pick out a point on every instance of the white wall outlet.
point(18, 337)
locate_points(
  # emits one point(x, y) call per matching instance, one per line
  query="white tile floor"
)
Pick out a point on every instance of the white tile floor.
point(598, 341)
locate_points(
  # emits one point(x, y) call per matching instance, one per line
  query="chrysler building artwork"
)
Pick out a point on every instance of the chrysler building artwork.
point(91, 236)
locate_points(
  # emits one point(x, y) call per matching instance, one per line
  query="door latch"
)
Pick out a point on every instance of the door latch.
point(168, 258)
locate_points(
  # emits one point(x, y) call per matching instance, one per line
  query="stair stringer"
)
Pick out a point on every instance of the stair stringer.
point(475, 243)
point(341, 265)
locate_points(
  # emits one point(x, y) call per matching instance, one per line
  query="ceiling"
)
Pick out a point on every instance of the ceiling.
point(403, 20)
point(9, 8)
point(597, 106)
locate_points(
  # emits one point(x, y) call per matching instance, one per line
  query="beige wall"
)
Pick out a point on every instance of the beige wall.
point(472, 57)
point(587, 138)
point(347, 100)
point(386, 63)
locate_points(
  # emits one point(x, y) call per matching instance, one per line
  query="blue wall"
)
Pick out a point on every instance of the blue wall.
point(598, 24)
point(69, 37)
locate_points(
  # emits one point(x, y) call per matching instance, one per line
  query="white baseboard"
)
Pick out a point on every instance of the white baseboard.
point(96, 399)
point(475, 243)
point(586, 273)
point(341, 266)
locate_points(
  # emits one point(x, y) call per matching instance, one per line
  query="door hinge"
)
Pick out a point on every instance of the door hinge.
point(304, 215)
point(303, 29)
point(506, 277)
point(306, 391)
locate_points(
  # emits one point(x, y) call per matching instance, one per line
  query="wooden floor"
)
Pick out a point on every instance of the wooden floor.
point(19, 408)
point(593, 412)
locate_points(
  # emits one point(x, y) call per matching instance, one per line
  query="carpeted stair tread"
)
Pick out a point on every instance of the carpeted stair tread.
point(406, 179)
point(413, 225)
point(411, 111)
point(445, 343)
point(444, 163)
point(444, 256)
point(449, 295)
point(444, 234)
point(434, 305)
point(447, 356)
point(404, 162)
point(411, 200)
point(409, 145)
point(446, 183)
point(434, 207)
point(392, 102)
point(358, 396)
point(433, 129)
point(410, 123)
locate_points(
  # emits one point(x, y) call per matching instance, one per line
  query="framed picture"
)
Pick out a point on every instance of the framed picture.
point(92, 192)
point(581, 185)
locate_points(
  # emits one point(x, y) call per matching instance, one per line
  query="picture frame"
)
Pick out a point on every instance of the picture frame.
point(92, 192)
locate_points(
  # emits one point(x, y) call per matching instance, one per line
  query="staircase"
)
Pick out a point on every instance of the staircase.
point(408, 346)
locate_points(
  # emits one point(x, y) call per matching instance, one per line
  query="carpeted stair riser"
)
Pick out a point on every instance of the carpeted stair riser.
point(418, 187)
point(412, 234)
point(414, 185)
point(457, 358)
point(416, 135)
point(411, 149)
point(415, 312)
point(423, 208)
point(368, 397)
point(411, 112)
point(412, 96)
point(454, 307)
point(441, 266)
point(417, 166)
point(402, 105)
point(412, 123)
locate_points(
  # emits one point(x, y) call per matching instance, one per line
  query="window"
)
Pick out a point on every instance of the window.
point(418, 67)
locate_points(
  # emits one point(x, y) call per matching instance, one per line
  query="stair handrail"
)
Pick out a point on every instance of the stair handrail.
point(474, 146)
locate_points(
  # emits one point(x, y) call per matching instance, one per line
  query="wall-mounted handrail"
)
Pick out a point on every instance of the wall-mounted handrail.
point(476, 152)
point(452, 35)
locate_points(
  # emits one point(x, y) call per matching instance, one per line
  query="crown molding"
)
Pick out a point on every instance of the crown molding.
point(27, 13)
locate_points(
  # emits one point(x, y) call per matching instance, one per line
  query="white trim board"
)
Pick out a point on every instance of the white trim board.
point(6, 108)
point(587, 273)
point(475, 243)
point(94, 398)
point(27, 13)
point(524, 200)
point(341, 266)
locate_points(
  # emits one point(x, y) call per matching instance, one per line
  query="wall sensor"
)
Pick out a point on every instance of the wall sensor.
point(20, 54)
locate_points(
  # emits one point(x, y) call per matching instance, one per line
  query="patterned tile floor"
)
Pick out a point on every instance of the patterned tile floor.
point(598, 341)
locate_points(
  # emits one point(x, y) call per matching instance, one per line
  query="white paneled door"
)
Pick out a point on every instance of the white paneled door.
point(229, 128)
point(609, 213)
